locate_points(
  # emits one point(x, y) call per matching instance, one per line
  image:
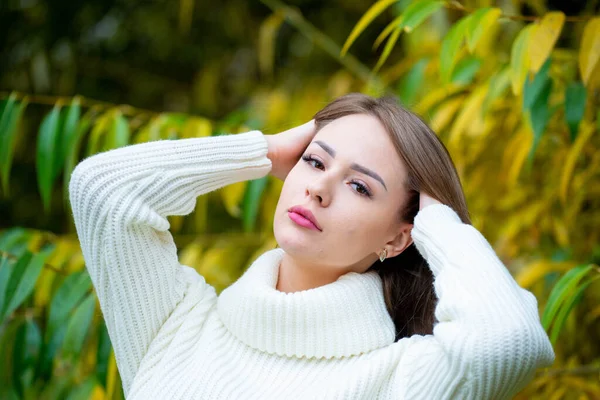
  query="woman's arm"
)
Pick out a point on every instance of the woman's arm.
point(120, 201)
point(488, 340)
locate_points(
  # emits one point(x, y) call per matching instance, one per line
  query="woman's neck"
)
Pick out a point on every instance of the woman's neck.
point(296, 275)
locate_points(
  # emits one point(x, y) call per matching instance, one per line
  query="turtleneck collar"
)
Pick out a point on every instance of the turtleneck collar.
point(343, 318)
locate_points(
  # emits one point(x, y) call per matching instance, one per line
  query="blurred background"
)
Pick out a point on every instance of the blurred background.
point(512, 87)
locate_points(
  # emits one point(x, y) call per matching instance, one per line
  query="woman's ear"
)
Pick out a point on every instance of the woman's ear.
point(401, 241)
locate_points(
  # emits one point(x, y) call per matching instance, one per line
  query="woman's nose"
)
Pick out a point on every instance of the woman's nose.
point(319, 191)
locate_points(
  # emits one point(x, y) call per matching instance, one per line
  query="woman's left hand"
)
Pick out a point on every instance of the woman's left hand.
point(426, 200)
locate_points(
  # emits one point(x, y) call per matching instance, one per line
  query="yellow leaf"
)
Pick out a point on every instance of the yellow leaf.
point(481, 21)
point(585, 133)
point(523, 142)
point(544, 38)
point(221, 265)
point(365, 20)
point(278, 108)
point(589, 54)
point(197, 127)
point(558, 393)
point(98, 393)
point(445, 113)
point(386, 32)
point(267, 36)
point(269, 202)
point(471, 111)
point(232, 195)
point(519, 58)
point(436, 96)
point(201, 214)
point(561, 233)
point(186, 11)
point(112, 375)
point(339, 84)
point(532, 273)
point(388, 48)
point(191, 254)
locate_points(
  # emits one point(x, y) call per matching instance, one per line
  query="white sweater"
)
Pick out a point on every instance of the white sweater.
point(174, 338)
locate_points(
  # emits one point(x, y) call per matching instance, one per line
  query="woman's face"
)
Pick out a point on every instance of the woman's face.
point(353, 185)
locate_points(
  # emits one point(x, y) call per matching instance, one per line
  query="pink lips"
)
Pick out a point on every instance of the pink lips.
point(303, 217)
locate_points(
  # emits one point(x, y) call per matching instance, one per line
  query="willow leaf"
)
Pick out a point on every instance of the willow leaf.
point(561, 291)
point(46, 153)
point(372, 13)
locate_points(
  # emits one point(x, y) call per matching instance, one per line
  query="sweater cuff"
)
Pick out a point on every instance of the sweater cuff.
point(433, 226)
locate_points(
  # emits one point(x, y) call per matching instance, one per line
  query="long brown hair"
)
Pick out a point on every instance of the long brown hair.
point(407, 279)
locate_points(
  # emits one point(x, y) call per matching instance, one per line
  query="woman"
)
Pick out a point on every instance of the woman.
point(380, 288)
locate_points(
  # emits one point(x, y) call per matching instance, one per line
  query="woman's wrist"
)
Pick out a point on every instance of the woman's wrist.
point(272, 153)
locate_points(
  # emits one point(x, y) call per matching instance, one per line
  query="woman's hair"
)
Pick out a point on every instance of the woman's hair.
point(407, 280)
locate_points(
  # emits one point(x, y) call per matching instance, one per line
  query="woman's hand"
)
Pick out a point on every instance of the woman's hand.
point(286, 148)
point(426, 200)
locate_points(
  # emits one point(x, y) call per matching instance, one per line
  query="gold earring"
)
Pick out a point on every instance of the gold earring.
point(382, 255)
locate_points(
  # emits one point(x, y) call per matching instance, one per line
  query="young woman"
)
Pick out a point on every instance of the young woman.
point(379, 289)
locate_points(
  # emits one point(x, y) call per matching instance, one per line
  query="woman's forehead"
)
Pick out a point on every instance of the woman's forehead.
point(360, 139)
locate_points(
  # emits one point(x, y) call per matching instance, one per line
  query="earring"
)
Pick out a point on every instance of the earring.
point(382, 255)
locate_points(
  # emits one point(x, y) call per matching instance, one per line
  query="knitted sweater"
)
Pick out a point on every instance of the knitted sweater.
point(174, 338)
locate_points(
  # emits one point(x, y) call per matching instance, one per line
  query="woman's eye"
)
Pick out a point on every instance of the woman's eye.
point(360, 188)
point(309, 160)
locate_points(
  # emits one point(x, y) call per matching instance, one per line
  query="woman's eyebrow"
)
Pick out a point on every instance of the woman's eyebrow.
point(354, 166)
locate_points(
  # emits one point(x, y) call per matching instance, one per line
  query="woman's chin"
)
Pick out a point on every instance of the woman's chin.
point(294, 242)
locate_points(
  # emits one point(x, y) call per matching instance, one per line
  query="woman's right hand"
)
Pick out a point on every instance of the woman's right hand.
point(286, 148)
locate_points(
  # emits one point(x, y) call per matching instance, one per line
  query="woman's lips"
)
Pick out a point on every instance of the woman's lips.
point(300, 220)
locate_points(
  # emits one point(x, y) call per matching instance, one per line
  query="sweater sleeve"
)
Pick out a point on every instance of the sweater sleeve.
point(488, 340)
point(120, 200)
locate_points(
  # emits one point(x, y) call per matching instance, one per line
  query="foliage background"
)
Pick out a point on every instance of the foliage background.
point(511, 87)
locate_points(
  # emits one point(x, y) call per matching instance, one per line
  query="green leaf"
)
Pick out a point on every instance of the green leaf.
point(575, 97)
point(100, 126)
point(251, 202)
point(498, 84)
point(480, 21)
point(51, 346)
point(119, 133)
point(103, 353)
point(411, 83)
point(365, 20)
point(539, 115)
point(14, 240)
point(519, 59)
point(417, 12)
point(17, 273)
point(73, 146)
point(70, 118)
point(6, 111)
point(566, 309)
point(450, 48)
point(536, 93)
point(534, 87)
point(28, 343)
point(465, 70)
point(8, 136)
point(46, 154)
point(23, 278)
point(561, 291)
point(388, 48)
point(7, 350)
point(5, 269)
point(66, 298)
point(78, 326)
point(83, 391)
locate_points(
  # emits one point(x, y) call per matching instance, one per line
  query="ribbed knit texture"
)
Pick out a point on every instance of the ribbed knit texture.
point(174, 338)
